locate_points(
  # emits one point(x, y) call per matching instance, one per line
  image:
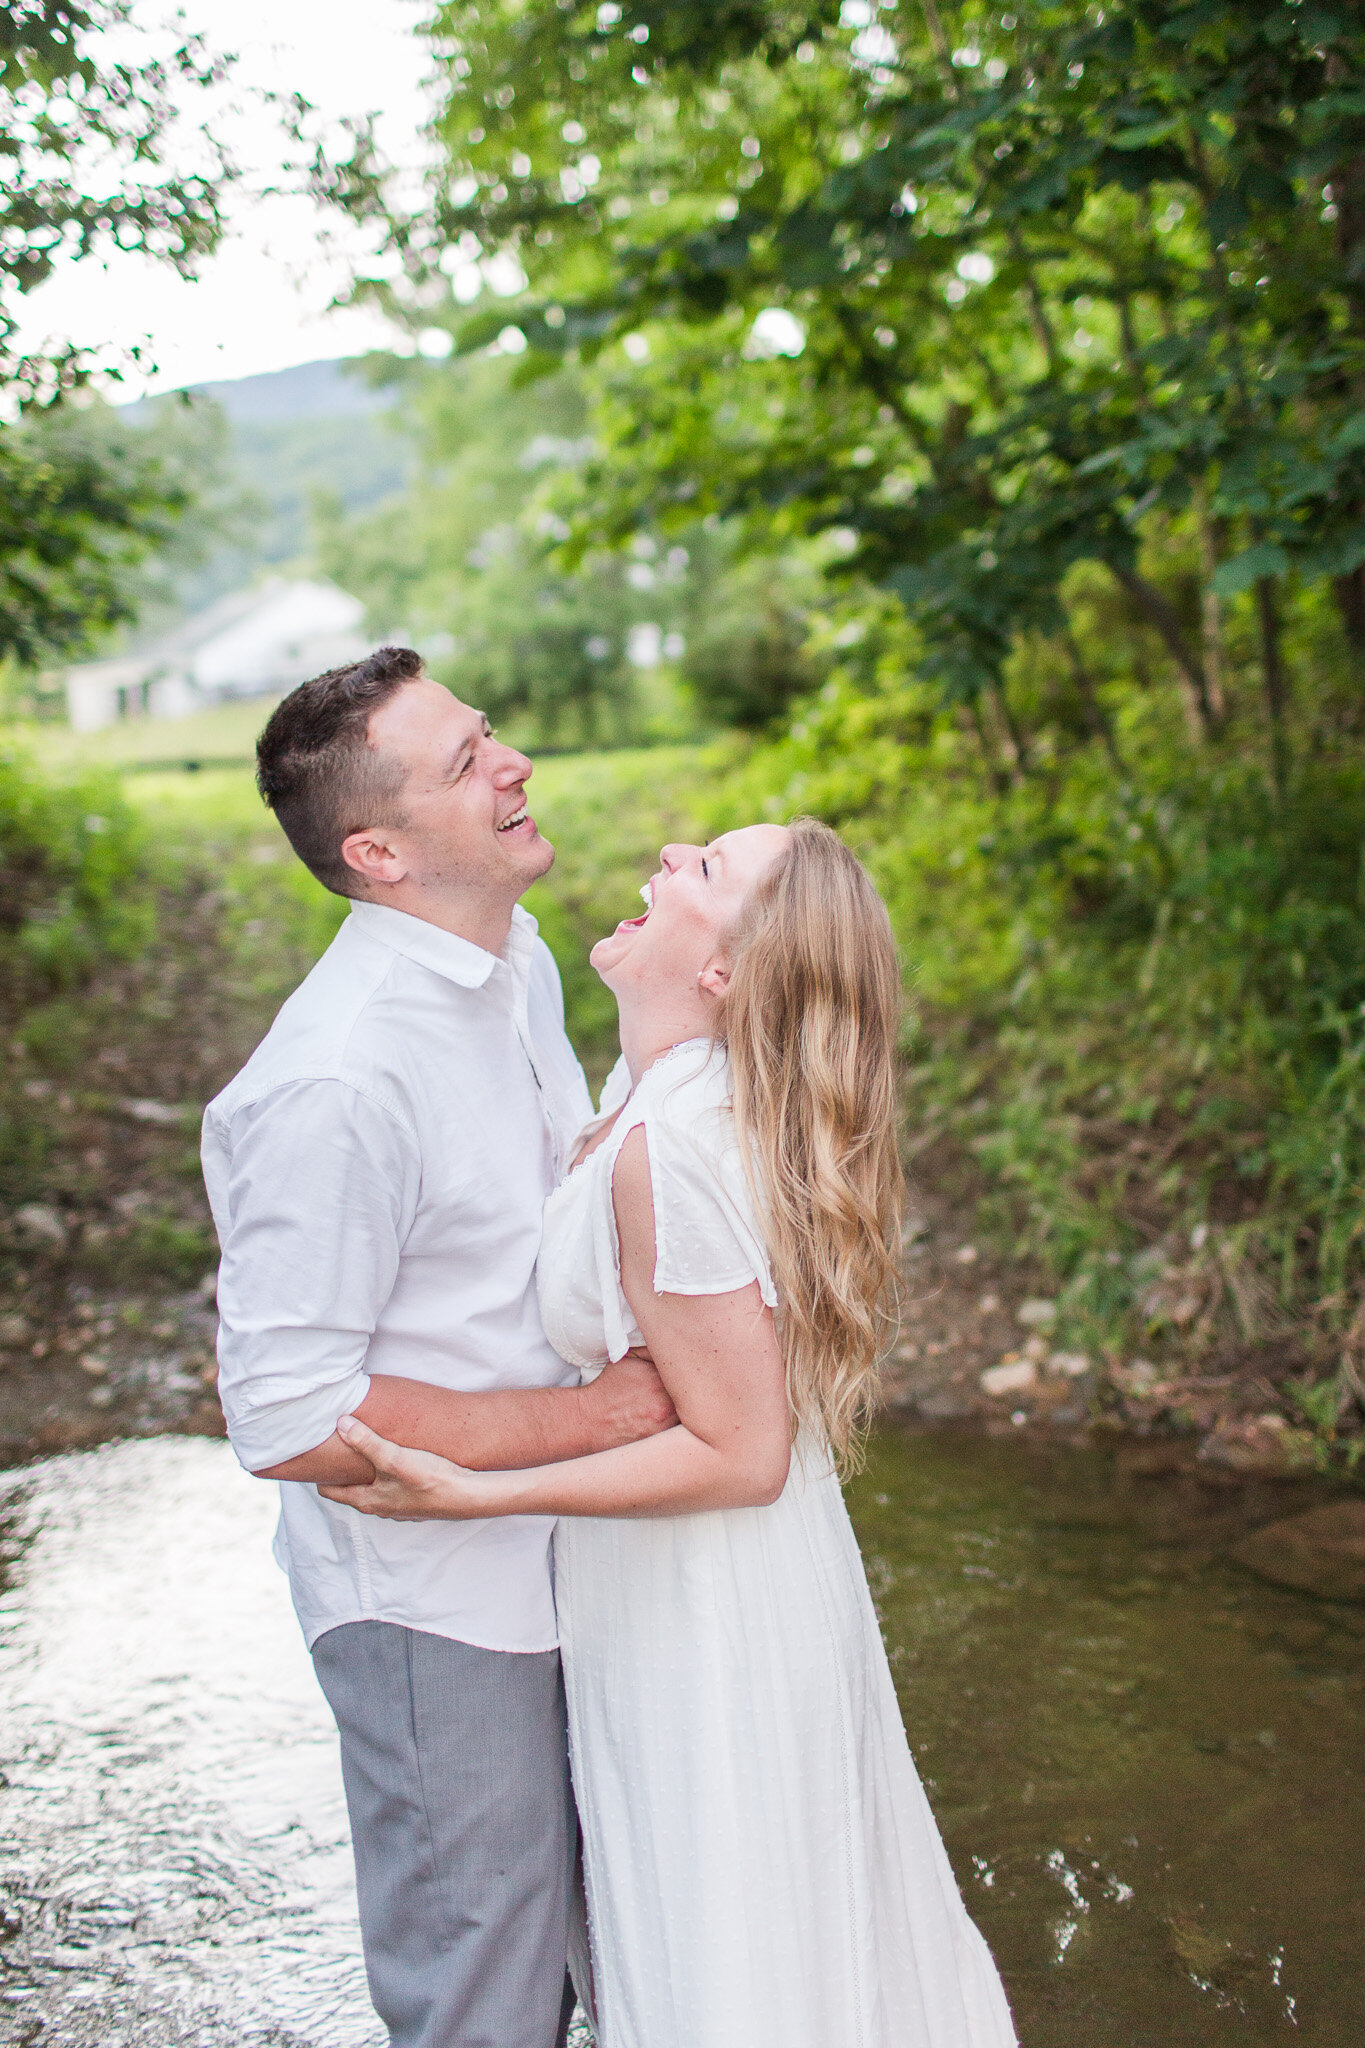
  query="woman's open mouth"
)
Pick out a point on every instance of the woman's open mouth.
point(633, 924)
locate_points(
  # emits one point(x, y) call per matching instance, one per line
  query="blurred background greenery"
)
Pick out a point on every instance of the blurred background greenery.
point(949, 423)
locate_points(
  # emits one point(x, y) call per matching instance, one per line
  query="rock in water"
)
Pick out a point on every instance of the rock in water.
point(1322, 1552)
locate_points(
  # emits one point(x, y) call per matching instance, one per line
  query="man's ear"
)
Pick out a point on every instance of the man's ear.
point(374, 856)
point(714, 978)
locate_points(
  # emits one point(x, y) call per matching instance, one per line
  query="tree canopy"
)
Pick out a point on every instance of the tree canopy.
point(984, 296)
point(95, 156)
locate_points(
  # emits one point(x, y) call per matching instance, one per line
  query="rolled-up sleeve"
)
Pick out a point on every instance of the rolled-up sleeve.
point(313, 1188)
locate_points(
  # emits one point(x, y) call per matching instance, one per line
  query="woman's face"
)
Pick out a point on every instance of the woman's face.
point(693, 901)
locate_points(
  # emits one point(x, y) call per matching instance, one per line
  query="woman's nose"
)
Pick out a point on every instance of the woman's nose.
point(673, 856)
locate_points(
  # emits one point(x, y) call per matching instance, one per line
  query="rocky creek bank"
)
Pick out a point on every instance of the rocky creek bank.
point(979, 1350)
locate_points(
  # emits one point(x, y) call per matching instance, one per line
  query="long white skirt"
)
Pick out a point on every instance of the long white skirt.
point(763, 1869)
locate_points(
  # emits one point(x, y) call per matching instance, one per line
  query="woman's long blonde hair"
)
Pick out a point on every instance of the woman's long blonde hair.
point(810, 1020)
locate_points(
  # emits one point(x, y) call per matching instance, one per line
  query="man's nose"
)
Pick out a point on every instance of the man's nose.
point(511, 767)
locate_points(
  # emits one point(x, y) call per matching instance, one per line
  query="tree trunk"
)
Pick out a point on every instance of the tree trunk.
point(1349, 592)
point(1275, 680)
point(1015, 745)
point(988, 753)
point(1161, 613)
point(1211, 606)
point(1096, 717)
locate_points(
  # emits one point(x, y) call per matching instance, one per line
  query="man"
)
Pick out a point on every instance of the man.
point(377, 1172)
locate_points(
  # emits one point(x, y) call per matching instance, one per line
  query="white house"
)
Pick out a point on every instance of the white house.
point(258, 642)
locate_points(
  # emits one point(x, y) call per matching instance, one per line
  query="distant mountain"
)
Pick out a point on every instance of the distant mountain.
point(308, 391)
point(315, 432)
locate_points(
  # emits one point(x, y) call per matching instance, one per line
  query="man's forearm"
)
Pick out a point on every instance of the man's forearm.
point(500, 1431)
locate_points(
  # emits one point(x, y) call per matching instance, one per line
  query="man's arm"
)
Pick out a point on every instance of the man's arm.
point(495, 1432)
point(313, 1197)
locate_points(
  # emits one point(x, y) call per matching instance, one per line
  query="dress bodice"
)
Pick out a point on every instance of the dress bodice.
point(708, 1237)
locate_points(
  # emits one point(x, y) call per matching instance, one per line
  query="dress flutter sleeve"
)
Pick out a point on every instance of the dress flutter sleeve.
point(707, 1233)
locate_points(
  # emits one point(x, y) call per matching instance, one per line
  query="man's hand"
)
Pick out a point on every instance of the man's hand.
point(629, 1400)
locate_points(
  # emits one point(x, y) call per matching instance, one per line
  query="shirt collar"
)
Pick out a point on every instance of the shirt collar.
point(445, 953)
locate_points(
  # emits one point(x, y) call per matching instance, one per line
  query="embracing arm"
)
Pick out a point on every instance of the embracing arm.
point(494, 1431)
point(718, 1358)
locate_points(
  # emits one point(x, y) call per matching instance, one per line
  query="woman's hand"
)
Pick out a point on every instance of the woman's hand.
point(411, 1486)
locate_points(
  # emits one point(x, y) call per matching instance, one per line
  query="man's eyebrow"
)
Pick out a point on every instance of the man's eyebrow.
point(467, 742)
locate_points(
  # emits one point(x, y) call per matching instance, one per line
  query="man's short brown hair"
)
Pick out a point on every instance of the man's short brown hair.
point(317, 771)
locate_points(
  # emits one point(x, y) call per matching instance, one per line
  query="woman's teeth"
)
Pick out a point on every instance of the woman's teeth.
point(519, 818)
point(632, 924)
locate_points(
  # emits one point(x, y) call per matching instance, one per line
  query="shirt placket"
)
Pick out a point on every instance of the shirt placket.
point(513, 974)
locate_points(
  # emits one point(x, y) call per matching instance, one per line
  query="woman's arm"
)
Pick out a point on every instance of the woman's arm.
point(719, 1359)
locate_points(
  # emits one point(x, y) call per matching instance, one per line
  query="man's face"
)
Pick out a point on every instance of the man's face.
point(465, 825)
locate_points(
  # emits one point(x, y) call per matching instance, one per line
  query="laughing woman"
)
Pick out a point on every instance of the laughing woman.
point(762, 1867)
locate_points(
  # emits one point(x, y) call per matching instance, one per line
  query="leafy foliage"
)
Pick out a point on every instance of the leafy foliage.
point(93, 158)
point(73, 880)
point(485, 564)
point(79, 96)
point(1056, 288)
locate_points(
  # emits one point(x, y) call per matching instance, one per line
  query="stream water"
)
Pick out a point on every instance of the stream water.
point(1149, 1768)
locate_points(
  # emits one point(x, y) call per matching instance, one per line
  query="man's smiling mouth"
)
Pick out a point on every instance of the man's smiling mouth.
point(517, 818)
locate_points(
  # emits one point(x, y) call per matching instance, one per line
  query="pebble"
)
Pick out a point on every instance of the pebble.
point(1037, 1315)
point(1011, 1376)
point(145, 1112)
point(1139, 1378)
point(966, 1255)
point(41, 1223)
point(1068, 1365)
point(14, 1329)
point(91, 1362)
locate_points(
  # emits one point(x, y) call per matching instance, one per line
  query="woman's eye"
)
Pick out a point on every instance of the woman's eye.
point(705, 871)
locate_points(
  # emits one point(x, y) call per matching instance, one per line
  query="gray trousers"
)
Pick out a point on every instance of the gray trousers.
point(455, 1762)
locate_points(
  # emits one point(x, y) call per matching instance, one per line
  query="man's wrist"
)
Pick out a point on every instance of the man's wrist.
point(597, 1407)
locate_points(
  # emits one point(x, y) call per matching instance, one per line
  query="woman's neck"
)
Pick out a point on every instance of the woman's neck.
point(648, 1032)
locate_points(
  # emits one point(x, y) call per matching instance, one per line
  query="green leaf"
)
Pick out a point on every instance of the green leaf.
point(1268, 558)
point(1350, 435)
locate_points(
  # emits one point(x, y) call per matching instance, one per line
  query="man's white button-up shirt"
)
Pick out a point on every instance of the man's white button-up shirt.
point(377, 1173)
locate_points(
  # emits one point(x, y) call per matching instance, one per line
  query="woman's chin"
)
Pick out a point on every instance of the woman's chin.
point(605, 955)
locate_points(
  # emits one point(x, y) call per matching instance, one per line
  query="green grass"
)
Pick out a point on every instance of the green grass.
point(228, 731)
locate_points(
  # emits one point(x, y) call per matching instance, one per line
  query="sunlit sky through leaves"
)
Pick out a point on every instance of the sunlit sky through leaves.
point(262, 302)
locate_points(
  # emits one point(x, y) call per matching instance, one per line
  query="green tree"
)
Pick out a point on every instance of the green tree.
point(1080, 285)
point(94, 158)
point(485, 563)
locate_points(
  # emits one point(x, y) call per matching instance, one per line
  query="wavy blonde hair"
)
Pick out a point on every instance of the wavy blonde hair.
point(809, 1021)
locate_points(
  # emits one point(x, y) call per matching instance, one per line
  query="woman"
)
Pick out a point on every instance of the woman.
point(761, 1864)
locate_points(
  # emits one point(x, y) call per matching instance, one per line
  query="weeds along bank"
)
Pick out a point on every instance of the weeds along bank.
point(144, 946)
point(1137, 1022)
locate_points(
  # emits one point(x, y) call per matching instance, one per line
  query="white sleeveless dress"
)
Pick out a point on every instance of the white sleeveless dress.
point(762, 1867)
